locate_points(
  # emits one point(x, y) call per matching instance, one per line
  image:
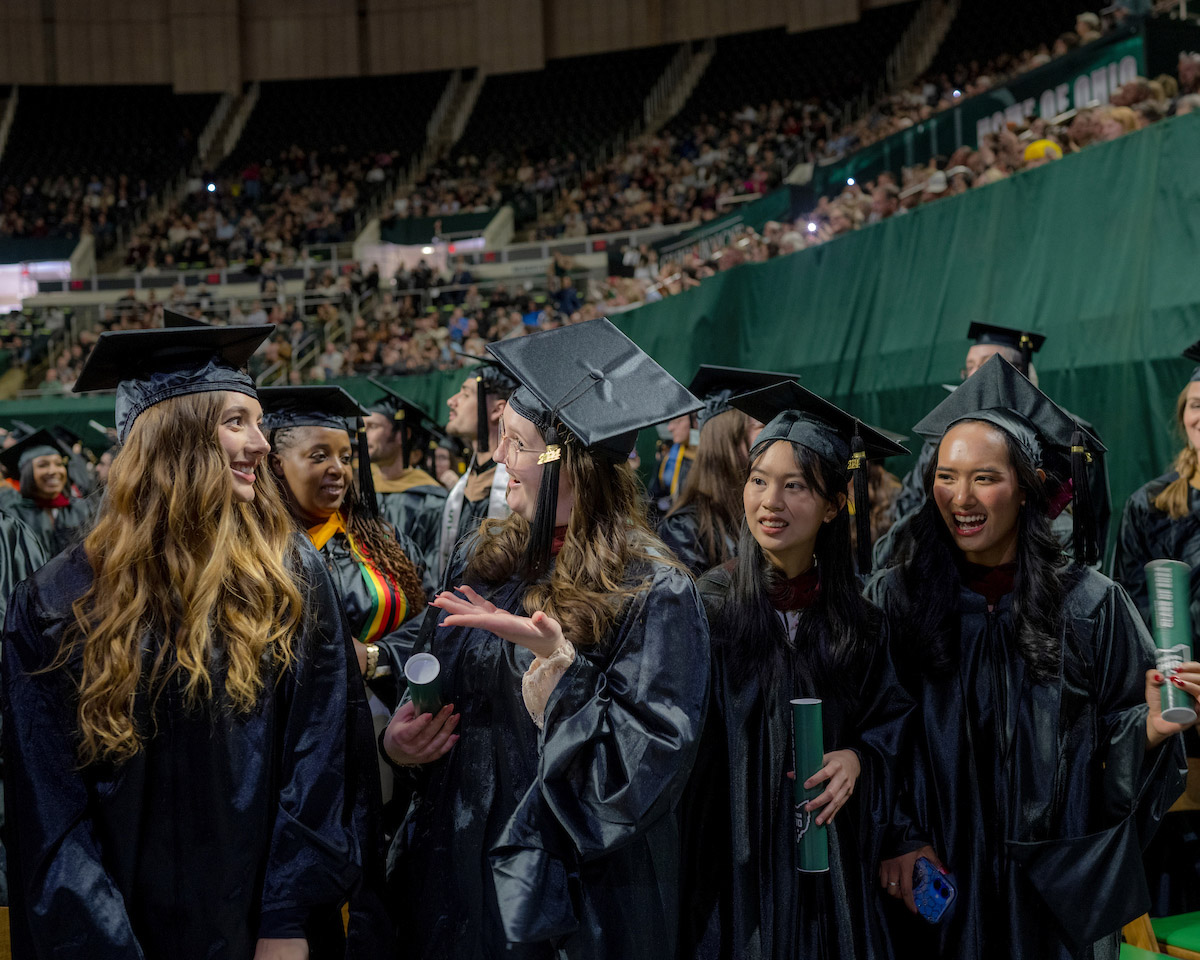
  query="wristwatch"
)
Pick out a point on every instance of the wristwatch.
point(372, 661)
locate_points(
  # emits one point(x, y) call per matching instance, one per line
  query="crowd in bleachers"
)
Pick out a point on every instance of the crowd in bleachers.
point(111, 150)
point(268, 211)
point(1018, 147)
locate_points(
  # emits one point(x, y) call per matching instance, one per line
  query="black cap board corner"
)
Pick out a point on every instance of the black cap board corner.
point(311, 406)
point(830, 421)
point(998, 385)
point(598, 382)
point(990, 333)
point(716, 385)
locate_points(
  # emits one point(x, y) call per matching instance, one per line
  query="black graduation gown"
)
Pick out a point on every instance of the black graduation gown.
point(20, 555)
point(1009, 775)
point(744, 897)
point(416, 511)
point(225, 828)
point(561, 840)
point(679, 532)
point(1147, 533)
point(66, 529)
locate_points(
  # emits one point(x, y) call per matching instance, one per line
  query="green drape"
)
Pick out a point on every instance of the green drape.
point(1099, 251)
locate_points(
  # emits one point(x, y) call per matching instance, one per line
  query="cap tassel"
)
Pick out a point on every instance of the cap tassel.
point(541, 531)
point(1083, 526)
point(1026, 346)
point(862, 502)
point(482, 434)
point(366, 482)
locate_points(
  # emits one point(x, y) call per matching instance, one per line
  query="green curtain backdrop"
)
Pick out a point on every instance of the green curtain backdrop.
point(1099, 251)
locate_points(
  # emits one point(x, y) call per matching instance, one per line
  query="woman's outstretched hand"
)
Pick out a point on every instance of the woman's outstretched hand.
point(539, 634)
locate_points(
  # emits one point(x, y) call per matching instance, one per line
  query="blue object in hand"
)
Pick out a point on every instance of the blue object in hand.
point(933, 891)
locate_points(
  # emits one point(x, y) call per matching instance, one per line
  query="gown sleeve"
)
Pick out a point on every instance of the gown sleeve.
point(619, 740)
point(1132, 552)
point(883, 722)
point(316, 855)
point(63, 901)
point(678, 531)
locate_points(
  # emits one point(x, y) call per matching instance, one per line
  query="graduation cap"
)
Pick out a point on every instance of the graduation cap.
point(1191, 353)
point(21, 429)
point(716, 385)
point(149, 366)
point(1026, 342)
point(598, 384)
point(800, 416)
point(40, 443)
point(490, 378)
point(402, 411)
point(321, 406)
point(999, 394)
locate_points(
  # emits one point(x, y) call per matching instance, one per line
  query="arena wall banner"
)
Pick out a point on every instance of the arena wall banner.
point(781, 204)
point(1087, 74)
point(1097, 251)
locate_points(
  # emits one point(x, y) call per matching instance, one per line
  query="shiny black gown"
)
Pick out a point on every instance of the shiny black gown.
point(743, 896)
point(1147, 533)
point(1038, 797)
point(415, 510)
point(225, 828)
point(67, 528)
point(679, 532)
point(20, 555)
point(562, 841)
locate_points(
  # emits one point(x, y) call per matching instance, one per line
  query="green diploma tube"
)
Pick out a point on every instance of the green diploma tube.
point(812, 841)
point(424, 675)
point(1168, 582)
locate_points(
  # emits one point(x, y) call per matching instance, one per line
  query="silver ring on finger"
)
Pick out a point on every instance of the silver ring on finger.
point(893, 883)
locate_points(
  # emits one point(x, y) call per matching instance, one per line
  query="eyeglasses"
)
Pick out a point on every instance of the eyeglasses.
point(517, 450)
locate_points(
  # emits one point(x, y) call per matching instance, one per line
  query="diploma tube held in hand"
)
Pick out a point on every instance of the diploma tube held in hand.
point(812, 841)
point(1168, 585)
point(424, 675)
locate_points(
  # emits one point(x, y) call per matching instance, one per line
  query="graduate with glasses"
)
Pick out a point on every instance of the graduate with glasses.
point(574, 659)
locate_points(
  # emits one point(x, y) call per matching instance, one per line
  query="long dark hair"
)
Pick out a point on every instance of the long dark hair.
point(835, 627)
point(929, 634)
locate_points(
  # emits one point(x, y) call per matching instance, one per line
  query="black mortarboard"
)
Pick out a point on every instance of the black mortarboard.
point(715, 386)
point(592, 379)
point(21, 429)
point(490, 378)
point(797, 415)
point(149, 366)
point(793, 413)
point(320, 406)
point(402, 411)
point(65, 436)
point(999, 394)
point(1191, 353)
point(40, 443)
point(1026, 342)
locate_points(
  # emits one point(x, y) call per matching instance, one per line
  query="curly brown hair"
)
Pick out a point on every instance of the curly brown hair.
point(607, 536)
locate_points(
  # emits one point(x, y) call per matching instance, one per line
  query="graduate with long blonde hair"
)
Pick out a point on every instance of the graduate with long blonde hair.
point(180, 698)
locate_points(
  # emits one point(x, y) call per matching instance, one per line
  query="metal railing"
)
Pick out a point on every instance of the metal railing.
point(319, 257)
